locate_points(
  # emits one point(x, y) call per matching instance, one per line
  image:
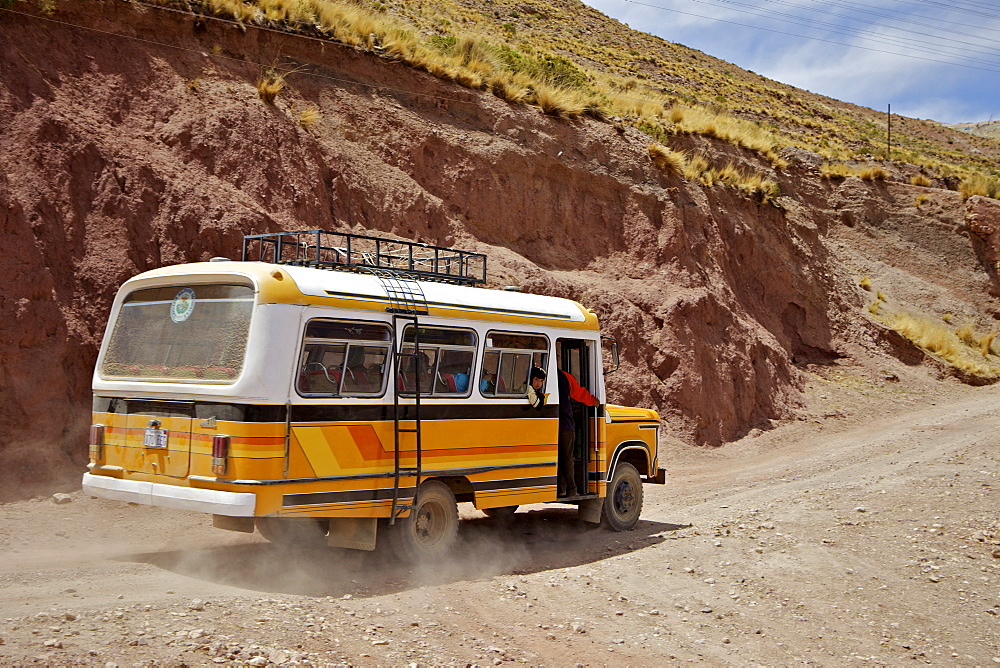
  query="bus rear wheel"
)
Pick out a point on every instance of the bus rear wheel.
point(293, 531)
point(431, 529)
point(623, 503)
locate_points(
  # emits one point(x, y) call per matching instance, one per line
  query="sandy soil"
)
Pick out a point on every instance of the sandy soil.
point(867, 534)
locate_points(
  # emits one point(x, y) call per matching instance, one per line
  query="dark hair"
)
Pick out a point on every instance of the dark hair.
point(536, 373)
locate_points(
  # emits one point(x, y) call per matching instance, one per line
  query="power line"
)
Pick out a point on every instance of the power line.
point(969, 7)
point(898, 16)
point(890, 40)
point(813, 38)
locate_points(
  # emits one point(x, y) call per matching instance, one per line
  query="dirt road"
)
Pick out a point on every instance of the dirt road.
point(869, 535)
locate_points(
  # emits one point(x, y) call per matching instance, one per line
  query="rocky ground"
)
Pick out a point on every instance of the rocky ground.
point(864, 534)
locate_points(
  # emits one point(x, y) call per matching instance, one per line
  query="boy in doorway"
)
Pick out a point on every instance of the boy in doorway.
point(569, 391)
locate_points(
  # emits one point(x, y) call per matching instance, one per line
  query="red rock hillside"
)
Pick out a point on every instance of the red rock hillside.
point(132, 138)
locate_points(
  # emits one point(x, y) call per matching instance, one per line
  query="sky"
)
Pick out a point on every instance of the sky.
point(930, 59)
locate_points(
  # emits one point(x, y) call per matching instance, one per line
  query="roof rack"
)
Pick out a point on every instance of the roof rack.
point(355, 252)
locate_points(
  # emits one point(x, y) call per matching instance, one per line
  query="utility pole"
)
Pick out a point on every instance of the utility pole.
point(888, 125)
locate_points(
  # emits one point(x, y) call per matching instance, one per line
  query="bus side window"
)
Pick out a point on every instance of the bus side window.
point(427, 370)
point(446, 358)
point(364, 369)
point(507, 362)
point(375, 359)
point(514, 368)
point(488, 376)
point(453, 372)
point(409, 377)
point(321, 368)
point(343, 358)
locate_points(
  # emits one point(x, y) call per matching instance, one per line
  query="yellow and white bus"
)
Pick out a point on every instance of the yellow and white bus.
point(340, 388)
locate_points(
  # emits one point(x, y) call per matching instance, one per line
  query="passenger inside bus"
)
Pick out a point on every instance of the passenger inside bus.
point(491, 384)
point(453, 371)
point(461, 376)
point(406, 379)
point(356, 375)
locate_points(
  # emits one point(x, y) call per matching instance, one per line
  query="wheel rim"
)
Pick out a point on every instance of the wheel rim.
point(428, 524)
point(624, 498)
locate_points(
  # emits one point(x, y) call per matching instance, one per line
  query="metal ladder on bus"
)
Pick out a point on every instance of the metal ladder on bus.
point(406, 303)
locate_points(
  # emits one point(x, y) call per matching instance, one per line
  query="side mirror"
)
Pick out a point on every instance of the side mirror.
point(612, 343)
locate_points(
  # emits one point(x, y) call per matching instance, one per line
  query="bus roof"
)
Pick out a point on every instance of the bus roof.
point(366, 291)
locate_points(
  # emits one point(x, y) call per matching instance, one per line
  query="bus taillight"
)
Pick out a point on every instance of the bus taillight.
point(220, 454)
point(96, 442)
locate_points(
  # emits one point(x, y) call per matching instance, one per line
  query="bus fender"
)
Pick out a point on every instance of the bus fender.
point(622, 453)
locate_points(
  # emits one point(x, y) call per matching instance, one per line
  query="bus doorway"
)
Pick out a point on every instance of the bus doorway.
point(577, 357)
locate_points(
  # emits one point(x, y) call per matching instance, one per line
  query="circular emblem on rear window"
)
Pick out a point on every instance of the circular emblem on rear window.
point(183, 304)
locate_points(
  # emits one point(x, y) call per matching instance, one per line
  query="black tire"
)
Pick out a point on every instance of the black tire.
point(505, 513)
point(293, 531)
point(431, 529)
point(623, 504)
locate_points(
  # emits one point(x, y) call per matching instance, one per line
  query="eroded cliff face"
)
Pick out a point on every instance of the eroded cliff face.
point(134, 138)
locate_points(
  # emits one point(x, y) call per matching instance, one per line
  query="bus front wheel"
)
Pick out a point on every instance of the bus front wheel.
point(431, 529)
point(623, 503)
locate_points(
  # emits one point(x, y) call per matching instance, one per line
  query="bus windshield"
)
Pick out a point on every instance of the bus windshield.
point(195, 333)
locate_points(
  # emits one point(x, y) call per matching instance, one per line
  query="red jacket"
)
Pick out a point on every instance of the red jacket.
point(579, 393)
point(570, 389)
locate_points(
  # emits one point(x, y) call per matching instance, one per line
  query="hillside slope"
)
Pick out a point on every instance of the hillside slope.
point(644, 64)
point(135, 137)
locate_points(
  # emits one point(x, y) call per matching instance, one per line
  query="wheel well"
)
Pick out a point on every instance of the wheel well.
point(636, 455)
point(459, 486)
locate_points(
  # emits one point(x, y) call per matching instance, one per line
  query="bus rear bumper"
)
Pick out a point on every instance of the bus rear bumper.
point(213, 501)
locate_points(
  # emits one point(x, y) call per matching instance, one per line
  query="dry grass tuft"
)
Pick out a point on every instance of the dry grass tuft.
point(510, 87)
point(962, 349)
point(921, 180)
point(696, 167)
point(876, 306)
point(270, 85)
point(986, 343)
point(979, 184)
point(559, 102)
point(967, 334)
point(865, 283)
point(921, 200)
point(835, 171)
point(668, 160)
point(842, 171)
point(873, 174)
point(308, 117)
point(722, 126)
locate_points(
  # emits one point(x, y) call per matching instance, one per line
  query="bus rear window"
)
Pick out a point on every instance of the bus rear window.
point(196, 333)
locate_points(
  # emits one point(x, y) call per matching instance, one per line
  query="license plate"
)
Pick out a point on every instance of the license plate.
point(155, 438)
